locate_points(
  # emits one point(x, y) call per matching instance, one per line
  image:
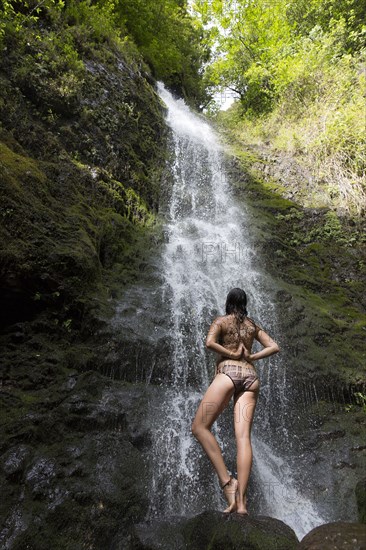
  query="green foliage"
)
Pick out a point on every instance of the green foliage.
point(50, 71)
point(299, 68)
point(360, 402)
point(332, 231)
point(96, 17)
point(171, 41)
point(348, 17)
point(16, 15)
point(169, 38)
point(249, 37)
point(67, 324)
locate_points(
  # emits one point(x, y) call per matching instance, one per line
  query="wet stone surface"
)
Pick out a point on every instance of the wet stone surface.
point(338, 535)
point(209, 530)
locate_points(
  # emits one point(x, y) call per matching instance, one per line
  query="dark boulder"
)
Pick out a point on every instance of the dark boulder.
point(209, 530)
point(335, 536)
point(81, 474)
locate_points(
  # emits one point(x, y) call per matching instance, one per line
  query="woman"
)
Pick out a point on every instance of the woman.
point(232, 336)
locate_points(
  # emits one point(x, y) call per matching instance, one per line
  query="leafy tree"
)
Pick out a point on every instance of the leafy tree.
point(171, 40)
point(348, 15)
point(260, 46)
point(249, 36)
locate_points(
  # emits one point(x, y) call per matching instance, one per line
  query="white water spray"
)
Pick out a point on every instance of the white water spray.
point(210, 250)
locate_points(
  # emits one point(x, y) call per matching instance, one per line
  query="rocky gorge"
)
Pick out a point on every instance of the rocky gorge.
point(86, 181)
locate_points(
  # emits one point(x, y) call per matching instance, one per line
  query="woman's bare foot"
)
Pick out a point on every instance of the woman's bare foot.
point(241, 506)
point(230, 488)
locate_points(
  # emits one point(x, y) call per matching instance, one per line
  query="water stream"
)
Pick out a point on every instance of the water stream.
point(210, 248)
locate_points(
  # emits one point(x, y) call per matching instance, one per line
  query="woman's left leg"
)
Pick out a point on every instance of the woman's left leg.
point(244, 408)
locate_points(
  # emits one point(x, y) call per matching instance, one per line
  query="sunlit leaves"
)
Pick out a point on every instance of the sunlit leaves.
point(170, 39)
point(262, 46)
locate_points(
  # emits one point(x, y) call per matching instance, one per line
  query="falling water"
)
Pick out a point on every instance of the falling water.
point(210, 249)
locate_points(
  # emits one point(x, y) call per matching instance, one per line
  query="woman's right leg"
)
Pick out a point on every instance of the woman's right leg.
point(213, 403)
point(243, 419)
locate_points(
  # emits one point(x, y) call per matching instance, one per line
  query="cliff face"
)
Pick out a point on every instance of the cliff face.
point(316, 259)
point(81, 169)
point(82, 153)
point(82, 156)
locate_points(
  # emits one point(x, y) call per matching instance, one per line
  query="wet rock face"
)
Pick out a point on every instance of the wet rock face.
point(80, 187)
point(316, 258)
point(339, 535)
point(81, 474)
point(361, 500)
point(209, 530)
point(141, 336)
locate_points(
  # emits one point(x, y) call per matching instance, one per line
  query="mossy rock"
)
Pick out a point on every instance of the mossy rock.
point(339, 534)
point(210, 530)
point(80, 473)
point(82, 176)
point(361, 500)
point(216, 531)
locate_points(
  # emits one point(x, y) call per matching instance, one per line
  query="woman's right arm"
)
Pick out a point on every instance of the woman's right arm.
point(212, 342)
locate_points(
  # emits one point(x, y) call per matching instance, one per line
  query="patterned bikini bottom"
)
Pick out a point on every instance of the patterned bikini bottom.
point(241, 376)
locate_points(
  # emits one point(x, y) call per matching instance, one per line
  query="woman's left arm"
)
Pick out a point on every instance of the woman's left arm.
point(212, 342)
point(269, 347)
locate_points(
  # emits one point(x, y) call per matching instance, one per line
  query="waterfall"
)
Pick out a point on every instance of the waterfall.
point(210, 248)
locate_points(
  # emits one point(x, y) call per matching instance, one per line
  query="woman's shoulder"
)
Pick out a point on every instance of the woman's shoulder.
point(254, 323)
point(251, 320)
point(222, 321)
point(219, 319)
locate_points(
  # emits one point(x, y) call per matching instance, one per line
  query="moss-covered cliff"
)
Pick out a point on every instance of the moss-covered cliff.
point(80, 169)
point(317, 255)
point(82, 155)
point(316, 258)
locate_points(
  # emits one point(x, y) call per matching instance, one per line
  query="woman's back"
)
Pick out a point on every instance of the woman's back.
point(233, 332)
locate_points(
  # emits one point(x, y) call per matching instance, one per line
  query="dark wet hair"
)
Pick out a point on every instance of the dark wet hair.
point(236, 302)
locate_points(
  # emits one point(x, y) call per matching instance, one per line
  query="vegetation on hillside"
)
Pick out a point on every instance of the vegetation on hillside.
point(161, 32)
point(79, 117)
point(299, 69)
point(82, 151)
